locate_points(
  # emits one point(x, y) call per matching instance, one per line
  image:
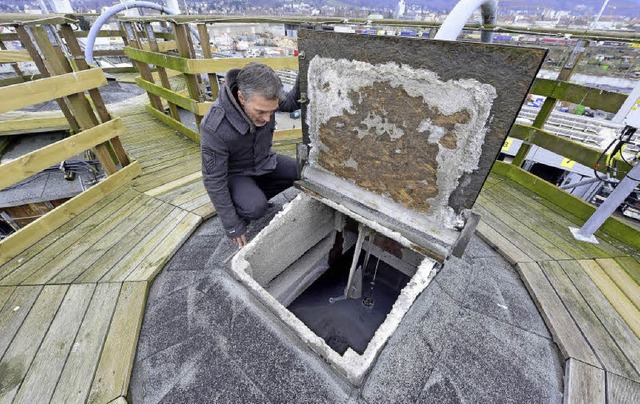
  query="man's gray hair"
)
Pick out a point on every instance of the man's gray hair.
point(260, 79)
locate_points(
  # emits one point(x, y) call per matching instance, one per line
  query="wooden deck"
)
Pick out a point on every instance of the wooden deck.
point(71, 305)
point(587, 294)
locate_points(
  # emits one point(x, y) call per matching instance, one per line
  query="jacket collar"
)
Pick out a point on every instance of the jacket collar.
point(233, 111)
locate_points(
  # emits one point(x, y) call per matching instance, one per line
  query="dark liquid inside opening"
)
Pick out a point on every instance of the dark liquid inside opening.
point(351, 322)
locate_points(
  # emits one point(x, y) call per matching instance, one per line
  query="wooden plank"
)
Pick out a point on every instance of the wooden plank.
point(179, 126)
point(175, 193)
point(622, 279)
point(206, 54)
point(34, 231)
point(163, 46)
point(203, 107)
point(606, 313)
point(175, 184)
point(180, 162)
point(171, 142)
point(42, 274)
point(618, 300)
point(205, 211)
point(32, 163)
point(61, 236)
point(124, 246)
point(22, 268)
point(546, 222)
point(196, 202)
point(171, 96)
point(560, 199)
point(148, 269)
point(552, 213)
point(505, 247)
point(33, 125)
point(536, 216)
point(584, 384)
point(138, 255)
point(107, 52)
point(10, 56)
point(197, 66)
point(631, 266)
point(188, 195)
point(536, 246)
point(105, 244)
point(42, 377)
point(17, 360)
point(162, 72)
point(186, 50)
point(81, 364)
point(564, 330)
point(152, 158)
point(597, 98)
point(33, 19)
point(22, 95)
point(157, 178)
point(606, 349)
point(287, 134)
point(5, 294)
point(114, 368)
point(563, 146)
point(27, 40)
point(14, 312)
point(621, 390)
point(154, 145)
point(555, 245)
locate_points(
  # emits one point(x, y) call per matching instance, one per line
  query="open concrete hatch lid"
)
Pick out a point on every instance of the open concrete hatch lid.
point(404, 131)
point(400, 135)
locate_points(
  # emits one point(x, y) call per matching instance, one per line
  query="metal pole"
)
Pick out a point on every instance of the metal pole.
point(580, 183)
point(622, 191)
point(457, 18)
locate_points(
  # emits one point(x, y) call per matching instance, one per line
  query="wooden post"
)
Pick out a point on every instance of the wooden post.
point(206, 53)
point(81, 64)
point(78, 104)
point(550, 103)
point(96, 97)
point(185, 48)
point(35, 55)
point(144, 69)
point(162, 72)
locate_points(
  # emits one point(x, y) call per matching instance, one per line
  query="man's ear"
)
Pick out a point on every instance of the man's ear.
point(241, 97)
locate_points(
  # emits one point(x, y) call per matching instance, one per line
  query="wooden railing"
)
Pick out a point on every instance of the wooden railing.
point(193, 61)
point(193, 70)
point(74, 85)
point(163, 51)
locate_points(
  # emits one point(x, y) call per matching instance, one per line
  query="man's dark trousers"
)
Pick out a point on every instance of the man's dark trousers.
point(250, 194)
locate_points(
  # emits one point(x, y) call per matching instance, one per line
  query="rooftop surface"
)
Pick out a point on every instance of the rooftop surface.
point(562, 323)
point(474, 335)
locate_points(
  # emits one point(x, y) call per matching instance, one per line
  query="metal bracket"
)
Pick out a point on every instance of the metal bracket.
point(471, 222)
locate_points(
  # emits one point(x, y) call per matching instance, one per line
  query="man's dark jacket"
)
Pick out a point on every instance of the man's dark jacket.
point(233, 145)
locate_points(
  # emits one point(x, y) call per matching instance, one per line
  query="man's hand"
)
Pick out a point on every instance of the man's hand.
point(241, 241)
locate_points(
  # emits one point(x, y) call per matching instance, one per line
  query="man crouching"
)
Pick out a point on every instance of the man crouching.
point(241, 172)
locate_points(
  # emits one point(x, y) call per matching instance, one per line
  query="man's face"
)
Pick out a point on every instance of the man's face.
point(258, 108)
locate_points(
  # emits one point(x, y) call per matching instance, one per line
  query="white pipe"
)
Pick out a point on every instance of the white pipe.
point(453, 24)
point(110, 12)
